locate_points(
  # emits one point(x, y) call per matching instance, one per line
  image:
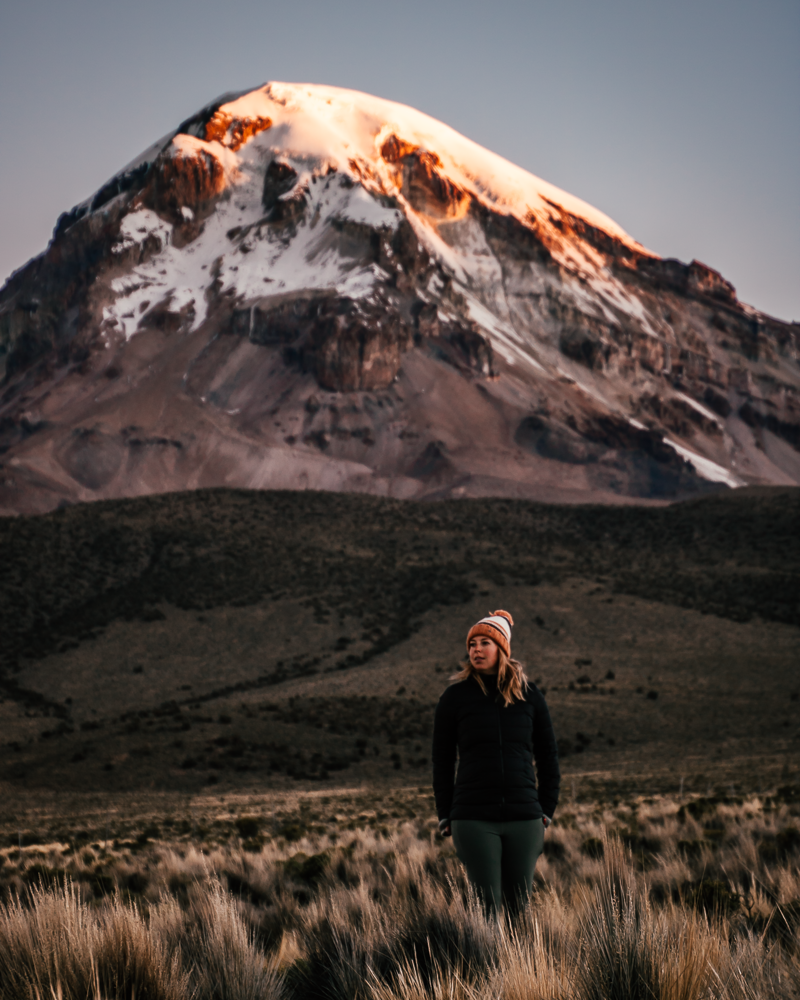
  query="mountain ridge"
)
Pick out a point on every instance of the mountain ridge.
point(304, 286)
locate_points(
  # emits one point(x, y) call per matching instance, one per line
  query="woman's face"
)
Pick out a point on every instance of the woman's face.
point(483, 653)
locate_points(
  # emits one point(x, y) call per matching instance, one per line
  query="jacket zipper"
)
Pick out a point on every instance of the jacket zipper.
point(502, 762)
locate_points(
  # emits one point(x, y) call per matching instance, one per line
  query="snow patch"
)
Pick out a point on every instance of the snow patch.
point(705, 467)
point(259, 262)
point(708, 414)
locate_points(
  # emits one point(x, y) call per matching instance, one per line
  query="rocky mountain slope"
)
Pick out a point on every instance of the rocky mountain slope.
point(310, 287)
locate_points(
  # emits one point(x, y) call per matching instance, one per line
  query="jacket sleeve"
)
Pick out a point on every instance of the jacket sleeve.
point(444, 753)
point(545, 754)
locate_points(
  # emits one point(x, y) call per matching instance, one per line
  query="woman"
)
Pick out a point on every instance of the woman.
point(497, 721)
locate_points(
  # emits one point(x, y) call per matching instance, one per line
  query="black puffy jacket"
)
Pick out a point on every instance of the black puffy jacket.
point(495, 744)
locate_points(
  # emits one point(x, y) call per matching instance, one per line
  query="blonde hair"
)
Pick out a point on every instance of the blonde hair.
point(511, 679)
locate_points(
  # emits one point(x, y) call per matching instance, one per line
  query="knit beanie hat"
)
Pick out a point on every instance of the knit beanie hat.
point(497, 627)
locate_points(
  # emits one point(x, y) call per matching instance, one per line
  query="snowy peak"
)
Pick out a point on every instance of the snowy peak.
point(368, 137)
point(387, 167)
point(348, 126)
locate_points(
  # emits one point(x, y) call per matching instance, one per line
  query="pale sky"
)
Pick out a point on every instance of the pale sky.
point(680, 120)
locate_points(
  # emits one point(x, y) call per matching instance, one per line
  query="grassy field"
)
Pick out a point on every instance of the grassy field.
point(215, 720)
point(354, 895)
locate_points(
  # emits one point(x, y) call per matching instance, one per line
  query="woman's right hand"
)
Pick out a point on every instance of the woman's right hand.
point(444, 828)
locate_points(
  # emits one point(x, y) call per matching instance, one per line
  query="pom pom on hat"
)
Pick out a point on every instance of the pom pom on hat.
point(504, 614)
point(497, 627)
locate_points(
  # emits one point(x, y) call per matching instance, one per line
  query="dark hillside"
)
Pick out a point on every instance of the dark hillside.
point(65, 575)
point(270, 640)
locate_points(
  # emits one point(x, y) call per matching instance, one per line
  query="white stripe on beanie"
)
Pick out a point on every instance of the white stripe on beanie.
point(500, 623)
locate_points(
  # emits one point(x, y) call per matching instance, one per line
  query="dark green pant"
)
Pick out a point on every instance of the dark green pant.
point(499, 858)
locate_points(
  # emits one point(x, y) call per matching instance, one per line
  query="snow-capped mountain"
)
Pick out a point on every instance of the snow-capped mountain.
point(304, 286)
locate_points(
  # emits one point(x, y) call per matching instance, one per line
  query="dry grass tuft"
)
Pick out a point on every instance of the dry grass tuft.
point(626, 951)
point(225, 960)
point(57, 946)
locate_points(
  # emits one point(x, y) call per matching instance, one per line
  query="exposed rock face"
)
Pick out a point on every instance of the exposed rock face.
point(279, 179)
point(309, 287)
point(348, 344)
point(352, 349)
point(424, 184)
point(234, 132)
point(185, 175)
point(44, 305)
